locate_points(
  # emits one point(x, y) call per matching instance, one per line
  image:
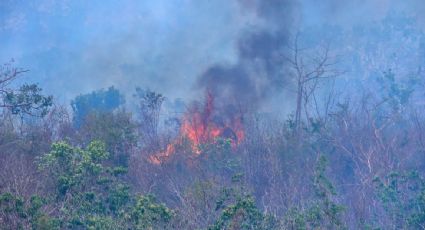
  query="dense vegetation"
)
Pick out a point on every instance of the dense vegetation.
point(349, 154)
point(358, 164)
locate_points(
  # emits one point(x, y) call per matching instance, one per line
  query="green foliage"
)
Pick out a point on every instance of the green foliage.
point(296, 219)
point(238, 210)
point(74, 167)
point(243, 214)
point(92, 195)
point(102, 223)
point(219, 157)
point(96, 101)
point(326, 211)
point(115, 129)
point(118, 198)
point(86, 187)
point(148, 214)
point(323, 186)
point(397, 93)
point(28, 99)
point(403, 198)
point(116, 171)
point(19, 213)
point(322, 212)
point(150, 101)
point(77, 173)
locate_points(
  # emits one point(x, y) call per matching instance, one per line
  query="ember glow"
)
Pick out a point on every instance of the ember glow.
point(203, 126)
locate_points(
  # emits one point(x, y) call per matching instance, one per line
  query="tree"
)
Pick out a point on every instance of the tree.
point(27, 99)
point(91, 195)
point(243, 214)
point(18, 213)
point(238, 209)
point(322, 212)
point(85, 187)
point(116, 129)
point(375, 135)
point(330, 212)
point(309, 71)
point(96, 102)
point(402, 195)
point(148, 214)
point(150, 104)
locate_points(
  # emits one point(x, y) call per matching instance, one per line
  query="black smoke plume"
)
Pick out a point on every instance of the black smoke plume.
point(258, 71)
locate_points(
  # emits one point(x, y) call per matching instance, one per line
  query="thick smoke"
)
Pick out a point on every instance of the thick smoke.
point(258, 71)
point(73, 47)
point(158, 44)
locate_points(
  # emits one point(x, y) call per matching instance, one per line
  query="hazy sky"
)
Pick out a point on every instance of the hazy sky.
point(75, 46)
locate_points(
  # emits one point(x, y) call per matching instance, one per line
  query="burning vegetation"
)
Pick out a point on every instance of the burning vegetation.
point(307, 117)
point(204, 124)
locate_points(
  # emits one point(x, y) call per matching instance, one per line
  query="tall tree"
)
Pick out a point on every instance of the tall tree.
point(97, 101)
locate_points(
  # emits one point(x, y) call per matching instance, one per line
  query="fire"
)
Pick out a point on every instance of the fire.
point(199, 127)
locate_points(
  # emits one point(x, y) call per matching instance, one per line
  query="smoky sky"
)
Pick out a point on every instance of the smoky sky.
point(253, 77)
point(175, 47)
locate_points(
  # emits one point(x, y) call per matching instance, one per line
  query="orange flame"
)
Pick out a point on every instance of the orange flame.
point(199, 128)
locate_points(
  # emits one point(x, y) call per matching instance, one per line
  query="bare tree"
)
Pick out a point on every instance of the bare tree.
point(310, 70)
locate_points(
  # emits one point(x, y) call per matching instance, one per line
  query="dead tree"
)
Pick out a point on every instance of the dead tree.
point(309, 71)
